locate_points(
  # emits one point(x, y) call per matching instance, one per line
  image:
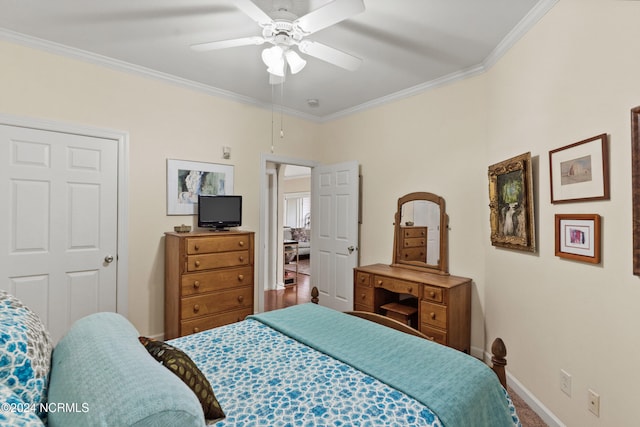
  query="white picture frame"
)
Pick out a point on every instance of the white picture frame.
point(186, 180)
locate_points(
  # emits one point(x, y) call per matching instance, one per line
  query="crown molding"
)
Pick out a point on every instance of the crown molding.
point(534, 15)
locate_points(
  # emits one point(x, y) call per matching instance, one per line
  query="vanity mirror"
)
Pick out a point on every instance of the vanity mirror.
point(420, 237)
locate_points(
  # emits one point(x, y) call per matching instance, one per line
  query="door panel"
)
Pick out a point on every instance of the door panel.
point(61, 222)
point(335, 232)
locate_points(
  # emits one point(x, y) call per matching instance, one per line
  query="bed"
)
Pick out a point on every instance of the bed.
point(301, 366)
point(309, 365)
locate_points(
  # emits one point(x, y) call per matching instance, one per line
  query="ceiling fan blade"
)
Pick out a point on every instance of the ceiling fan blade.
point(253, 11)
point(223, 44)
point(330, 55)
point(329, 14)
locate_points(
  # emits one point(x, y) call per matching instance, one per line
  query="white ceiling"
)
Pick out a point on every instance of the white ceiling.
point(407, 46)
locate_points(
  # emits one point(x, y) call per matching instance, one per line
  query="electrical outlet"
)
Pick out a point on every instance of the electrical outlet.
point(593, 402)
point(565, 382)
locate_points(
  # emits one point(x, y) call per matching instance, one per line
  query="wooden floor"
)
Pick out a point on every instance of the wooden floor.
point(293, 295)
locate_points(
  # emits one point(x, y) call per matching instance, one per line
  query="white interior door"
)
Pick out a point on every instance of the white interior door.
point(334, 213)
point(58, 250)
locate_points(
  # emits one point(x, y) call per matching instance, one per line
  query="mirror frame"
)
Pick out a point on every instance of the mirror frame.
point(443, 265)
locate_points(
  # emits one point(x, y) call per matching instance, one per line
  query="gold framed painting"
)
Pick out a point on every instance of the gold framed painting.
point(511, 204)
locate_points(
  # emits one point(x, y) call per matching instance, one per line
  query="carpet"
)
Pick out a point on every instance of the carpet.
point(528, 418)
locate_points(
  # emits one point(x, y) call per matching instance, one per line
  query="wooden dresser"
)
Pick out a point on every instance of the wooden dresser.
point(208, 280)
point(444, 301)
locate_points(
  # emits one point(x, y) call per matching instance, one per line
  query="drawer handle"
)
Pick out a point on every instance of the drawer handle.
point(432, 315)
point(362, 279)
point(197, 263)
point(364, 296)
point(196, 284)
point(240, 298)
point(422, 233)
point(241, 258)
point(240, 277)
point(432, 294)
point(379, 282)
point(409, 290)
point(196, 247)
point(241, 243)
point(196, 308)
point(196, 329)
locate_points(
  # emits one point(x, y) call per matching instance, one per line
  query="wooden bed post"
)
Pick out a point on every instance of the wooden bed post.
point(314, 295)
point(499, 352)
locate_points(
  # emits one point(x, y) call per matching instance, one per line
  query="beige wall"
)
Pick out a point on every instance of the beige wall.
point(573, 76)
point(163, 121)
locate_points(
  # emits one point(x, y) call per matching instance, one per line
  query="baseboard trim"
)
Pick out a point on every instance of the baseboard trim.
point(537, 406)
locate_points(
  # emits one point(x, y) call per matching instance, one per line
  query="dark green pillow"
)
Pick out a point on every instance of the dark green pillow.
point(180, 364)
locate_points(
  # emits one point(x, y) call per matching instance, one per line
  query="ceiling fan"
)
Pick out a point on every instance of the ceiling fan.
point(284, 30)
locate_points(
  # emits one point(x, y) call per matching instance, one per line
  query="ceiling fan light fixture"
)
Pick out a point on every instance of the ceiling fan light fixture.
point(274, 60)
point(296, 63)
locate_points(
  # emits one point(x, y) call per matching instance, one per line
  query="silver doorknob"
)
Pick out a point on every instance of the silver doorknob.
point(351, 249)
point(108, 259)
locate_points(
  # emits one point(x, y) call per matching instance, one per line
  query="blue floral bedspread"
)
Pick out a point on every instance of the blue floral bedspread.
point(264, 378)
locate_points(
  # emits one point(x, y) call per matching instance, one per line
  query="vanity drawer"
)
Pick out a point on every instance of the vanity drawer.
point(363, 279)
point(397, 286)
point(433, 314)
point(199, 283)
point(217, 260)
point(198, 325)
point(216, 302)
point(409, 232)
point(433, 334)
point(218, 243)
point(363, 295)
point(432, 293)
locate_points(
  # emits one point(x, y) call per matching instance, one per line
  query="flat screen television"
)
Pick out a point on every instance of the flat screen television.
point(219, 212)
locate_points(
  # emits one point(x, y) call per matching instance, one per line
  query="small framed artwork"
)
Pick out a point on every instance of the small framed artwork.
point(511, 204)
point(578, 237)
point(580, 171)
point(187, 180)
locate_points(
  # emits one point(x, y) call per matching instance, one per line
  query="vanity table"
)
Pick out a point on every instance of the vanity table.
point(443, 301)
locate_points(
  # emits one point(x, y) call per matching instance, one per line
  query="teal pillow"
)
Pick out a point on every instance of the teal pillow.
point(25, 352)
point(101, 366)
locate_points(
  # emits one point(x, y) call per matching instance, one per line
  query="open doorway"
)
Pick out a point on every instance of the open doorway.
point(285, 233)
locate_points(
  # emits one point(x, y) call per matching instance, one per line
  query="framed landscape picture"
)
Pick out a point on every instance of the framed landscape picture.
point(511, 204)
point(187, 180)
point(580, 171)
point(578, 237)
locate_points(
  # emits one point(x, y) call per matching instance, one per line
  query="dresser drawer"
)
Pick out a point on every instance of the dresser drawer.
point(409, 232)
point(201, 324)
point(397, 286)
point(199, 283)
point(363, 295)
point(217, 260)
point(413, 254)
point(218, 243)
point(216, 302)
point(433, 334)
point(363, 279)
point(432, 293)
point(433, 314)
point(415, 242)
